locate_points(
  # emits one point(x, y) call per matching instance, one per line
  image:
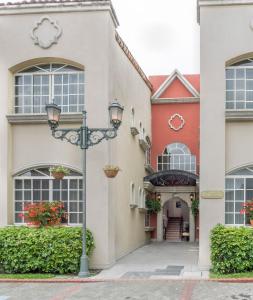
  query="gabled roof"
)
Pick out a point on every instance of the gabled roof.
point(162, 82)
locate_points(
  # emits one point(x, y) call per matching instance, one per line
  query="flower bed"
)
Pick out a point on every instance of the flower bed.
point(231, 249)
point(43, 250)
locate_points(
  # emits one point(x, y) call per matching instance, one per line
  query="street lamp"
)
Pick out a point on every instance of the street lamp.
point(84, 137)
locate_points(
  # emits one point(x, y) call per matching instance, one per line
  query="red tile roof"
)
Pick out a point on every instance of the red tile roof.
point(132, 60)
point(157, 80)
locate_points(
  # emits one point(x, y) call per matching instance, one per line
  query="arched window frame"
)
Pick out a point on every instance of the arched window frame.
point(39, 84)
point(239, 85)
point(132, 198)
point(238, 190)
point(177, 156)
point(37, 184)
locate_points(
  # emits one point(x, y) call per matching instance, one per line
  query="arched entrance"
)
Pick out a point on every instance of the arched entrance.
point(175, 187)
point(176, 220)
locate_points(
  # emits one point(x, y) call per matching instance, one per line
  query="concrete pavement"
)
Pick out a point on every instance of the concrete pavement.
point(158, 260)
point(129, 290)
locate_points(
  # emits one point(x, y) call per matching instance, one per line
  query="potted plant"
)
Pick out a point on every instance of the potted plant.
point(44, 214)
point(248, 210)
point(58, 172)
point(111, 171)
point(195, 207)
point(153, 205)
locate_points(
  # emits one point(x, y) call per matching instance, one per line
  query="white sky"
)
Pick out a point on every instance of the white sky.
point(161, 34)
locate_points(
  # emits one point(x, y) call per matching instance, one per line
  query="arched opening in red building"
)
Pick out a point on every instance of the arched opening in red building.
point(175, 189)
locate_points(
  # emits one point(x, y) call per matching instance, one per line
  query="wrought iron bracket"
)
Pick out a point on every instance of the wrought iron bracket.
point(84, 137)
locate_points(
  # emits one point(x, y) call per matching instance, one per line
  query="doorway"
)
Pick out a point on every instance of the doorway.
point(176, 220)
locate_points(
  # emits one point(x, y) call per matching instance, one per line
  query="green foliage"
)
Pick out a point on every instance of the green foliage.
point(59, 169)
point(195, 207)
point(153, 206)
point(43, 250)
point(231, 249)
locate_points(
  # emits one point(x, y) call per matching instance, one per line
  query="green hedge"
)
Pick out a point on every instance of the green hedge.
point(231, 249)
point(43, 250)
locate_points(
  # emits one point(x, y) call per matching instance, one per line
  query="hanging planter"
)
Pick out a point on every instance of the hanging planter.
point(59, 172)
point(111, 171)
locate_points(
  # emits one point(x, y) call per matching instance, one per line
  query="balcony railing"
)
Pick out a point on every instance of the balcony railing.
point(185, 162)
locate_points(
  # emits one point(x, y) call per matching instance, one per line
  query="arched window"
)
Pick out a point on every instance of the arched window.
point(36, 185)
point(44, 83)
point(132, 194)
point(177, 156)
point(132, 117)
point(239, 85)
point(238, 190)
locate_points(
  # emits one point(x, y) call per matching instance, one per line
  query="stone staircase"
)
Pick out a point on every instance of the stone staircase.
point(173, 232)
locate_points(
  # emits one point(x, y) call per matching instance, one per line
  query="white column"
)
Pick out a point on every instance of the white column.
point(160, 226)
point(192, 226)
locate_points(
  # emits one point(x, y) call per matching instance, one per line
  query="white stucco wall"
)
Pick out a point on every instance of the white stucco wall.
point(88, 38)
point(225, 33)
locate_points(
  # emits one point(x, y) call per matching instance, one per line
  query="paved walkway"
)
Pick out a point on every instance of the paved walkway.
point(128, 290)
point(158, 260)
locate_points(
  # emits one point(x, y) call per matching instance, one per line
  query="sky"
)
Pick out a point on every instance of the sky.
point(162, 35)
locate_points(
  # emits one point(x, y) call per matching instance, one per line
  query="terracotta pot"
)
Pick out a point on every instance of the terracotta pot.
point(251, 222)
point(58, 175)
point(33, 225)
point(111, 173)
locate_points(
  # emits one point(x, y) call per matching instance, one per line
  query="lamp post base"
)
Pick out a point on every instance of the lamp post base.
point(84, 270)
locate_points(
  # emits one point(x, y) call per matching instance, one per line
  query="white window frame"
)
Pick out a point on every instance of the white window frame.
point(51, 86)
point(243, 103)
point(244, 177)
point(50, 178)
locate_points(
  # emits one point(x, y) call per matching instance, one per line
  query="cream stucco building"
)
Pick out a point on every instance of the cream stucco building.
point(70, 52)
point(226, 127)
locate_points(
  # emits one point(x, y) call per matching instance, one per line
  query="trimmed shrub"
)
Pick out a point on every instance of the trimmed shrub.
point(231, 249)
point(42, 250)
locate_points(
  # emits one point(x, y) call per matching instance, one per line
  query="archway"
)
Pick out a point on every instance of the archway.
point(176, 219)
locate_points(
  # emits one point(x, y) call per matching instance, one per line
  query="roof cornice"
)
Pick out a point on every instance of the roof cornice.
point(170, 79)
point(59, 6)
point(223, 2)
point(133, 61)
point(220, 3)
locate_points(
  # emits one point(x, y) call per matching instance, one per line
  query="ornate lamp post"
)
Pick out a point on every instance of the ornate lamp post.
point(84, 137)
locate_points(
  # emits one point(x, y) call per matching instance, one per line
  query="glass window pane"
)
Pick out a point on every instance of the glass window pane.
point(249, 183)
point(229, 218)
point(73, 218)
point(240, 73)
point(239, 195)
point(73, 195)
point(249, 195)
point(18, 195)
point(229, 195)
point(73, 207)
point(45, 195)
point(239, 183)
point(230, 73)
point(249, 73)
point(27, 195)
point(239, 219)
point(56, 196)
point(18, 206)
point(238, 206)
point(36, 184)
point(229, 207)
point(240, 84)
point(249, 84)
point(36, 195)
point(229, 183)
point(73, 184)
point(230, 105)
point(18, 218)
point(240, 95)
point(230, 84)
point(18, 184)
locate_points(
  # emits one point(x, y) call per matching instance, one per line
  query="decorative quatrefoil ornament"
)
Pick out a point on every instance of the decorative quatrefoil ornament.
point(176, 122)
point(46, 32)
